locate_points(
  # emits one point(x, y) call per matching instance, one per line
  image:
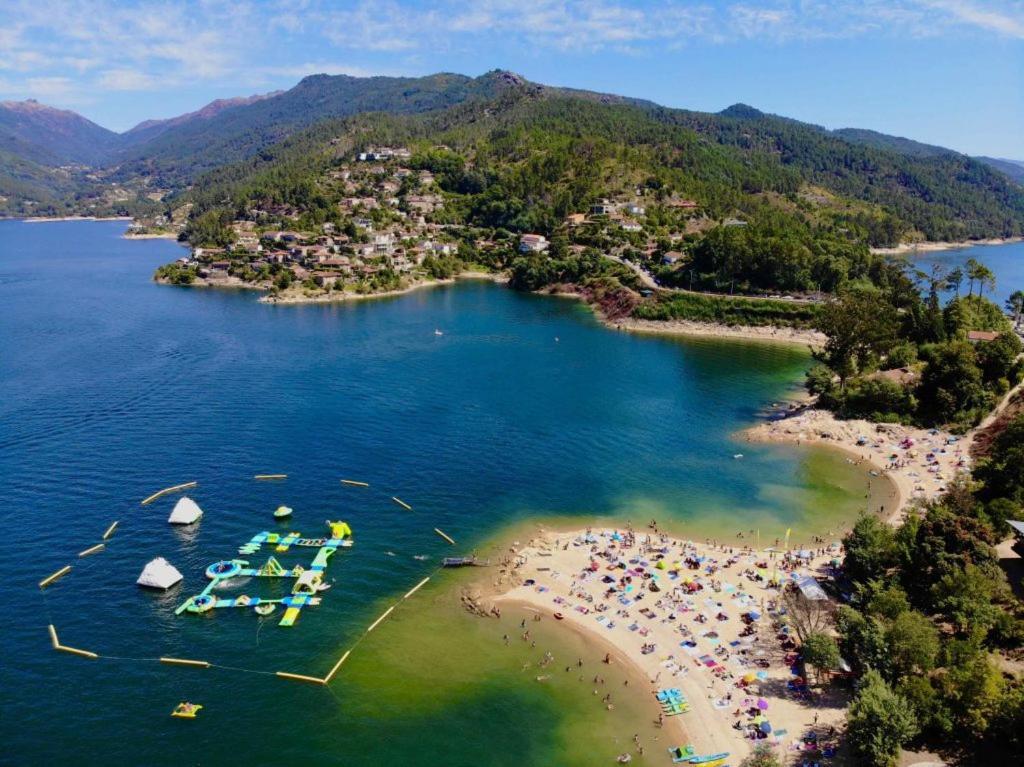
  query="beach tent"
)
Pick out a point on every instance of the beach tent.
point(810, 588)
point(159, 574)
point(186, 511)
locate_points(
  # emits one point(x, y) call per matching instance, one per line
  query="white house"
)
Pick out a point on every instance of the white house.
point(533, 243)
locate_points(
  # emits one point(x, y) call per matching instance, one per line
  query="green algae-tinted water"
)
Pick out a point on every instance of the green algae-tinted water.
point(525, 408)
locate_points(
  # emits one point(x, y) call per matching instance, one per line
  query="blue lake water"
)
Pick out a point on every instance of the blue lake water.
point(112, 387)
point(1005, 261)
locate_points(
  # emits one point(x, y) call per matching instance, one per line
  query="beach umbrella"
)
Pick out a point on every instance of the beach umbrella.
point(762, 704)
point(748, 678)
point(759, 719)
point(661, 564)
point(766, 727)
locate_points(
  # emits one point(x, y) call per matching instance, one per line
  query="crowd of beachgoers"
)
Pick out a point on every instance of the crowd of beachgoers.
point(702, 624)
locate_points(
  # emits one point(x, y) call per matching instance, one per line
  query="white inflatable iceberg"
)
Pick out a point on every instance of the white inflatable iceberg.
point(186, 511)
point(159, 574)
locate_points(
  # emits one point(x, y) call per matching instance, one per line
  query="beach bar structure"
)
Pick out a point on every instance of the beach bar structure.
point(811, 589)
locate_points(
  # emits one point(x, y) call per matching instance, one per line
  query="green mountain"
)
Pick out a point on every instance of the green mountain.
point(148, 130)
point(178, 154)
point(894, 143)
point(547, 152)
point(1012, 168)
point(890, 187)
point(48, 136)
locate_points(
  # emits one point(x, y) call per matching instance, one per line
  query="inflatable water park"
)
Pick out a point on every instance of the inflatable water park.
point(286, 571)
point(308, 581)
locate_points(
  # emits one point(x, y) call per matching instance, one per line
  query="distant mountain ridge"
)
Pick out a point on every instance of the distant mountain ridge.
point(50, 136)
point(1012, 168)
point(149, 129)
point(171, 154)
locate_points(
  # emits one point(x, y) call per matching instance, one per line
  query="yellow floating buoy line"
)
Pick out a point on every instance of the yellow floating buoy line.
point(54, 576)
point(184, 662)
point(166, 490)
point(416, 588)
point(384, 615)
point(64, 648)
point(92, 550)
point(300, 677)
point(334, 669)
point(76, 651)
point(189, 662)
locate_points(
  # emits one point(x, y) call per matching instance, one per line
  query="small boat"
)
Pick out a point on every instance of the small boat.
point(186, 710)
point(438, 332)
point(738, 455)
point(265, 608)
point(282, 512)
point(559, 616)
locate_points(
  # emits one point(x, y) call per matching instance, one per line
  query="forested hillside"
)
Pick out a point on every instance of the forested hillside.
point(887, 188)
point(1012, 168)
point(529, 157)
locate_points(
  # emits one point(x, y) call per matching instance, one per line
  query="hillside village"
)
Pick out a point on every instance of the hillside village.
point(394, 229)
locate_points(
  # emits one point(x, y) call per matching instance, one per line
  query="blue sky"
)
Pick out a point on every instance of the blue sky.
point(949, 72)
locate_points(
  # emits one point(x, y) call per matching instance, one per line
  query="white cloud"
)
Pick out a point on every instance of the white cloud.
point(1008, 21)
point(76, 47)
point(126, 80)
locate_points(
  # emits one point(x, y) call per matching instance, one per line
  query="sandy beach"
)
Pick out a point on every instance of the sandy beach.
point(929, 247)
point(697, 616)
point(800, 336)
point(919, 462)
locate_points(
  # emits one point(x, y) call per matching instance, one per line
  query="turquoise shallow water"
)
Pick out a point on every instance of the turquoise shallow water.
point(112, 387)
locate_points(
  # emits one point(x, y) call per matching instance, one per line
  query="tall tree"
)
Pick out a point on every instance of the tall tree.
point(971, 267)
point(861, 326)
point(954, 279)
point(879, 722)
point(1015, 305)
